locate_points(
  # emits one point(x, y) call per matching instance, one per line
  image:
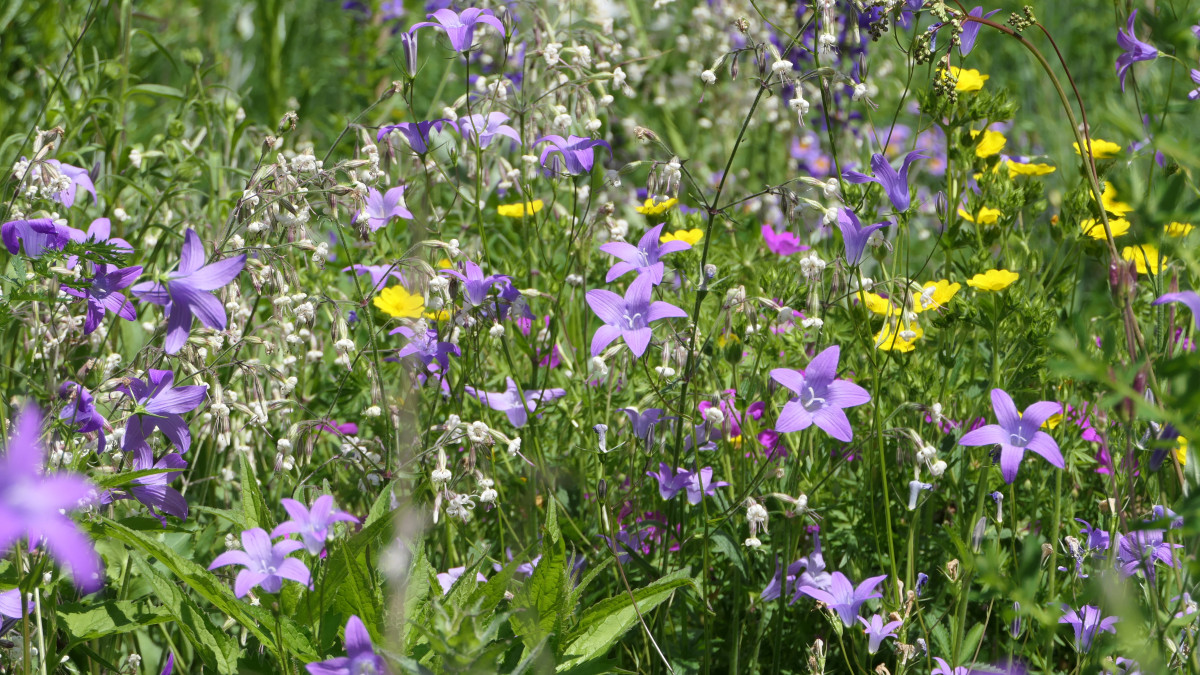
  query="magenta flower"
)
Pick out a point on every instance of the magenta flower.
point(1016, 433)
point(843, 598)
point(629, 317)
point(1189, 298)
point(1135, 49)
point(783, 243)
point(894, 183)
point(360, 657)
point(820, 397)
point(509, 400)
point(103, 294)
point(38, 235)
point(877, 631)
point(576, 154)
point(33, 504)
point(154, 491)
point(379, 275)
point(1087, 625)
point(416, 133)
point(186, 292)
point(460, 27)
point(483, 129)
point(80, 411)
point(312, 526)
point(643, 258)
point(266, 564)
point(855, 235)
point(159, 405)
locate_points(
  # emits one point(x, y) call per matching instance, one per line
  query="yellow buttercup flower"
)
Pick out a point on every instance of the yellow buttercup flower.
point(444, 264)
point(937, 294)
point(1021, 169)
point(690, 236)
point(1095, 229)
point(653, 208)
point(967, 79)
point(993, 280)
point(440, 315)
point(1053, 421)
point(519, 209)
point(1178, 229)
point(986, 216)
point(1101, 149)
point(1146, 257)
point(1108, 199)
point(893, 337)
point(1181, 450)
point(398, 302)
point(993, 142)
point(877, 304)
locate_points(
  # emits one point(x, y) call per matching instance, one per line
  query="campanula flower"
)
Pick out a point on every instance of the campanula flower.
point(266, 564)
point(1016, 433)
point(77, 177)
point(842, 596)
point(1191, 299)
point(103, 294)
point(446, 579)
point(416, 133)
point(475, 285)
point(855, 235)
point(894, 183)
point(158, 404)
point(1087, 625)
point(312, 526)
point(629, 317)
point(10, 604)
point(670, 481)
point(100, 232)
point(1135, 49)
point(783, 243)
point(644, 422)
point(509, 400)
point(820, 397)
point(877, 631)
point(187, 291)
point(1140, 550)
point(154, 491)
point(37, 235)
point(1195, 93)
point(575, 154)
point(643, 258)
point(460, 27)
point(382, 207)
point(379, 275)
point(360, 658)
point(970, 30)
point(426, 347)
point(697, 484)
point(80, 411)
point(483, 129)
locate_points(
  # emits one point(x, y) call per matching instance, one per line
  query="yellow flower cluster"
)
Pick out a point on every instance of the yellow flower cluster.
point(653, 208)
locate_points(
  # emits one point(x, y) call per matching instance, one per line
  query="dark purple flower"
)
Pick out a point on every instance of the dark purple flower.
point(426, 347)
point(482, 130)
point(266, 564)
point(159, 405)
point(460, 27)
point(894, 183)
point(312, 526)
point(820, 397)
point(80, 412)
point(360, 658)
point(475, 284)
point(854, 235)
point(379, 275)
point(1135, 49)
point(186, 292)
point(576, 153)
point(1139, 551)
point(783, 243)
point(1095, 539)
point(382, 207)
point(103, 294)
point(1189, 298)
point(154, 491)
point(416, 133)
point(970, 30)
point(33, 505)
point(629, 317)
point(643, 258)
point(37, 235)
point(877, 631)
point(1016, 433)
point(1086, 626)
point(843, 598)
point(509, 400)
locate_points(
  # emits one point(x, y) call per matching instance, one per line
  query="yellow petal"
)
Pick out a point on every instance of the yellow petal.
point(396, 301)
point(1146, 257)
point(1101, 149)
point(1095, 229)
point(993, 280)
point(992, 143)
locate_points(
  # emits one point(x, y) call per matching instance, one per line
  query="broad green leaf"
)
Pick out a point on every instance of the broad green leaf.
point(157, 90)
point(119, 479)
point(253, 505)
point(540, 603)
point(91, 621)
point(359, 594)
point(218, 650)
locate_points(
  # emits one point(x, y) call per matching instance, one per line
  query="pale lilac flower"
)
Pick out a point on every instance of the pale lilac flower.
point(416, 133)
point(1016, 433)
point(460, 27)
point(446, 579)
point(629, 317)
point(670, 481)
point(1189, 298)
point(312, 526)
point(877, 631)
point(154, 491)
point(1140, 550)
point(103, 294)
point(820, 397)
point(1195, 93)
point(509, 400)
point(855, 235)
point(894, 183)
point(382, 207)
point(643, 423)
point(1087, 625)
point(360, 658)
point(576, 154)
point(643, 258)
point(783, 243)
point(970, 30)
point(379, 275)
point(1135, 49)
point(33, 504)
point(843, 598)
point(475, 284)
point(80, 412)
point(266, 564)
point(482, 130)
point(38, 235)
point(699, 485)
point(944, 668)
point(10, 604)
point(187, 291)
point(161, 406)
point(426, 347)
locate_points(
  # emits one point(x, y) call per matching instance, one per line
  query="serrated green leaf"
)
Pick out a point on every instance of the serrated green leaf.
point(359, 594)
point(91, 621)
point(218, 650)
point(254, 507)
point(540, 603)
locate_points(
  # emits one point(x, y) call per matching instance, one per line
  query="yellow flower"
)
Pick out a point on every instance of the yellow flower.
point(967, 79)
point(724, 339)
point(520, 210)
point(1178, 229)
point(444, 264)
point(987, 216)
point(1095, 229)
point(1052, 422)
point(398, 302)
point(993, 280)
point(1146, 257)
point(1181, 450)
point(877, 304)
point(1021, 169)
point(943, 291)
point(1108, 198)
point(689, 236)
point(653, 208)
point(992, 143)
point(440, 315)
point(888, 341)
point(1101, 149)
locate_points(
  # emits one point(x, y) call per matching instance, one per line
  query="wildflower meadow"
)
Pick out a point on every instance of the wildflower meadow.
point(599, 336)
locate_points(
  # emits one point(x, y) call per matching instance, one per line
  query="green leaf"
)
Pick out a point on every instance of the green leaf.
point(119, 479)
point(218, 650)
point(541, 602)
point(157, 90)
point(358, 593)
point(491, 592)
point(253, 505)
point(88, 622)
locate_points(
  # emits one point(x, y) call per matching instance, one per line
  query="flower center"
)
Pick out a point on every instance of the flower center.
point(811, 401)
point(634, 321)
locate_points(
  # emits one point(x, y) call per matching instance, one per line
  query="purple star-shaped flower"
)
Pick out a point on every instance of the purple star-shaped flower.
point(266, 564)
point(783, 243)
point(697, 484)
point(460, 27)
point(416, 133)
point(1189, 298)
point(970, 30)
point(426, 347)
point(670, 481)
point(382, 207)
point(33, 504)
point(843, 598)
point(360, 657)
point(186, 292)
point(312, 526)
point(483, 129)
point(629, 317)
point(154, 491)
point(103, 294)
point(643, 423)
point(446, 579)
point(1135, 49)
point(1016, 433)
point(475, 284)
point(379, 275)
point(855, 235)
point(820, 397)
point(1139, 551)
point(37, 235)
point(643, 258)
point(159, 405)
point(509, 400)
point(877, 631)
point(894, 183)
point(1086, 626)
point(575, 154)
point(80, 411)
point(10, 604)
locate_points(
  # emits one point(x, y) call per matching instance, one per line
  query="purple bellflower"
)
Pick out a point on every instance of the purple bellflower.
point(698, 484)
point(103, 295)
point(475, 284)
point(894, 183)
point(79, 179)
point(1135, 49)
point(80, 411)
point(814, 575)
point(426, 347)
point(525, 569)
point(460, 27)
point(1016, 433)
point(1195, 93)
point(10, 604)
point(33, 505)
point(783, 243)
point(843, 598)
point(877, 631)
point(576, 154)
point(629, 317)
point(820, 397)
point(360, 658)
point(37, 235)
point(643, 423)
point(509, 400)
point(100, 232)
point(169, 666)
point(379, 275)
point(381, 207)
point(483, 129)
point(1139, 551)
point(266, 564)
point(855, 235)
point(416, 133)
point(154, 491)
point(159, 405)
point(970, 30)
point(312, 526)
point(186, 292)
point(446, 579)
point(643, 258)
point(1189, 298)
point(1086, 626)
